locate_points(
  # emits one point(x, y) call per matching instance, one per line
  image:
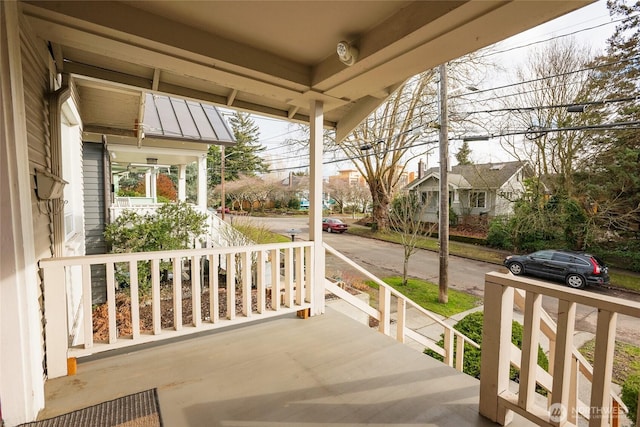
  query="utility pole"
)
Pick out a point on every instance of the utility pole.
point(443, 230)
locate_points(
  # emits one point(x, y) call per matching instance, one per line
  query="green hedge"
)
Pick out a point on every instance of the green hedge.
point(630, 390)
point(471, 326)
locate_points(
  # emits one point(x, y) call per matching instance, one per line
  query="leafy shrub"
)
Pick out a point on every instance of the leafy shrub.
point(172, 226)
point(471, 326)
point(499, 235)
point(630, 390)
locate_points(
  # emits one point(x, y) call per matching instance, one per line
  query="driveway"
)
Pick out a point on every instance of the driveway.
point(385, 259)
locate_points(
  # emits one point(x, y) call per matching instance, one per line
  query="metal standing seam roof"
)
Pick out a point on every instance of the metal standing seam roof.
point(181, 119)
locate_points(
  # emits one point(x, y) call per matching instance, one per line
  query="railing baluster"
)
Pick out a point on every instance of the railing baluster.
point(308, 274)
point(459, 353)
point(564, 348)
point(275, 279)
point(177, 293)
point(385, 309)
point(135, 299)
point(214, 297)
point(111, 303)
point(260, 275)
point(231, 286)
point(298, 261)
point(246, 284)
point(155, 299)
point(401, 319)
point(448, 346)
point(196, 289)
point(530, 341)
point(87, 305)
point(602, 365)
point(288, 277)
point(572, 410)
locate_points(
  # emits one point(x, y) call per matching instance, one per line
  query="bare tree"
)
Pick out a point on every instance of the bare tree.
point(552, 81)
point(405, 218)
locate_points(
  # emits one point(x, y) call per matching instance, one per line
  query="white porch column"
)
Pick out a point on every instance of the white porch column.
point(153, 184)
point(21, 383)
point(202, 182)
point(182, 183)
point(147, 183)
point(315, 206)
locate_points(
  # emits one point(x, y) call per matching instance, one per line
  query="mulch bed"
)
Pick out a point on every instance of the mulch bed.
point(123, 311)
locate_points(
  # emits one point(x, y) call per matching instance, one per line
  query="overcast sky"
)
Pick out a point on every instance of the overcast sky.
point(590, 25)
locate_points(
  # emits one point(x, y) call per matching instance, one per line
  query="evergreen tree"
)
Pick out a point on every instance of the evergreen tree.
point(243, 158)
point(610, 180)
point(463, 154)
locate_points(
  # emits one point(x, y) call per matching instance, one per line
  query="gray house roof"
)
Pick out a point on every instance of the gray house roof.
point(487, 176)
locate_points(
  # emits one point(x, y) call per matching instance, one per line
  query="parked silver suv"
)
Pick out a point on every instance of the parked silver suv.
point(576, 269)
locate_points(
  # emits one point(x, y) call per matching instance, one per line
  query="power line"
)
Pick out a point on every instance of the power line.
point(551, 38)
point(604, 126)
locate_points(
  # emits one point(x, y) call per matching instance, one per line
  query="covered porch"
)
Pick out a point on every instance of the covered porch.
point(285, 371)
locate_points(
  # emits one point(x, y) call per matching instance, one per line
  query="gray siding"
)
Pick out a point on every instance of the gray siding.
point(94, 214)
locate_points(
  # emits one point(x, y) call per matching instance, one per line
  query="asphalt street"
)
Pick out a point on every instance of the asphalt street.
point(386, 259)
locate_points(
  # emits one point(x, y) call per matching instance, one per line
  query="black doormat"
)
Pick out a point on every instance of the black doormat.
point(135, 410)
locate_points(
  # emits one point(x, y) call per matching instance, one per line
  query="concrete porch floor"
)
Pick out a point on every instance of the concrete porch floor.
point(325, 370)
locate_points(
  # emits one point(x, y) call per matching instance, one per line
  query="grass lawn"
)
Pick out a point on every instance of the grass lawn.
point(626, 359)
point(426, 295)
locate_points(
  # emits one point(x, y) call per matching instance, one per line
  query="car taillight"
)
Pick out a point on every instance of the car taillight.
point(596, 267)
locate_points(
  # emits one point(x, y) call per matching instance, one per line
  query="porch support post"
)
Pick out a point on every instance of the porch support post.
point(496, 351)
point(21, 373)
point(182, 183)
point(147, 184)
point(153, 184)
point(202, 182)
point(315, 207)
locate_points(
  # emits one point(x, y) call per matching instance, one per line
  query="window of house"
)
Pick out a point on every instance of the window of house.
point(478, 199)
point(430, 199)
point(71, 171)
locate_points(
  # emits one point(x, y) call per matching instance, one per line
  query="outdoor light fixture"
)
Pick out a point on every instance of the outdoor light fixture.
point(347, 53)
point(152, 161)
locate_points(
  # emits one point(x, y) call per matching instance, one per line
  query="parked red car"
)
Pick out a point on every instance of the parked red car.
point(334, 225)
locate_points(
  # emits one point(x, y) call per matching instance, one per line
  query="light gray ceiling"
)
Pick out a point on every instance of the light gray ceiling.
point(268, 57)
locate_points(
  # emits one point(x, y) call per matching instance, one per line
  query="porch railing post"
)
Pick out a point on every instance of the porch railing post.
point(602, 365)
point(55, 313)
point(496, 351)
point(562, 359)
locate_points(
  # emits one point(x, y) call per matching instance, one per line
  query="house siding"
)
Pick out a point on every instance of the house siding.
point(36, 78)
point(94, 214)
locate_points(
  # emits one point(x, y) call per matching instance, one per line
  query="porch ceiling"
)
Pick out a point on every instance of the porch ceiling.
point(269, 57)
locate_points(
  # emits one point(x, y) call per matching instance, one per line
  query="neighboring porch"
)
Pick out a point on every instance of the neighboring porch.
point(324, 370)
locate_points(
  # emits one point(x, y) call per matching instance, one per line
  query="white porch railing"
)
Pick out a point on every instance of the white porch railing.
point(403, 331)
point(279, 273)
point(563, 404)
